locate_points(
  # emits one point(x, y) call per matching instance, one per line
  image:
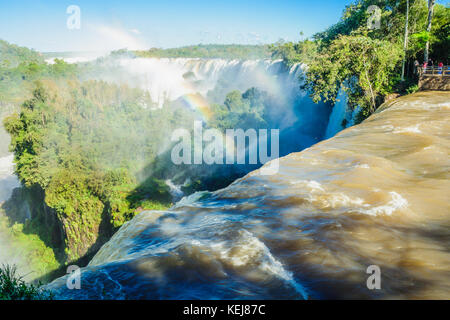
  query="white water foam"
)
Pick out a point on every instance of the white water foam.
point(397, 202)
point(247, 251)
point(317, 195)
point(412, 129)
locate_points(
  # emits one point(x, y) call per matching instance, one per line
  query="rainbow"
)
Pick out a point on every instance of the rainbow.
point(196, 102)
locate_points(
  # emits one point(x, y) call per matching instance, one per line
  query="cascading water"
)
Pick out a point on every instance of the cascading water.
point(175, 190)
point(300, 121)
point(8, 181)
point(170, 78)
point(202, 232)
point(341, 116)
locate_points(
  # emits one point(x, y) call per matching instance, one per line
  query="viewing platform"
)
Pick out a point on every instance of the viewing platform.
point(434, 78)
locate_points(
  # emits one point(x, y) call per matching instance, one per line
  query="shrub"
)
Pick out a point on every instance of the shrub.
point(13, 287)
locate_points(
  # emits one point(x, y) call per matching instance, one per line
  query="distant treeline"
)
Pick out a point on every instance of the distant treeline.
point(12, 55)
point(233, 51)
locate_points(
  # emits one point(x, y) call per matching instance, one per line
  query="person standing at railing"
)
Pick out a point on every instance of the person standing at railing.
point(424, 67)
point(440, 67)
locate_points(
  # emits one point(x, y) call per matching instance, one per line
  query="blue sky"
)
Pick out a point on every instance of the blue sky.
point(138, 24)
point(147, 23)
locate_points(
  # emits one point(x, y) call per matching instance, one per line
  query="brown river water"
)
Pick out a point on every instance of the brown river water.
point(375, 194)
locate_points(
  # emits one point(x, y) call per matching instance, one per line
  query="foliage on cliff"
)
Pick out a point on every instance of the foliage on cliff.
point(242, 110)
point(292, 53)
point(20, 66)
point(359, 65)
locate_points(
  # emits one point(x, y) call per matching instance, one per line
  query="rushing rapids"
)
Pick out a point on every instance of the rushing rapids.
point(375, 194)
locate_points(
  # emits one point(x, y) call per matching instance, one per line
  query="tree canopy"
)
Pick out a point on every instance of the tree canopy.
point(365, 61)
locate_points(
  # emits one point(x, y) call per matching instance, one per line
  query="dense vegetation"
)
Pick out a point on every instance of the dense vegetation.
point(27, 249)
point(11, 55)
point(13, 287)
point(366, 62)
point(82, 146)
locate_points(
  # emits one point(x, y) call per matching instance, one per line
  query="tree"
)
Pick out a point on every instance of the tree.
point(430, 18)
point(292, 53)
point(405, 43)
point(359, 65)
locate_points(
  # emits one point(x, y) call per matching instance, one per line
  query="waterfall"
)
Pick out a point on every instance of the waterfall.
point(8, 181)
point(167, 79)
point(199, 83)
point(175, 190)
point(340, 112)
point(337, 115)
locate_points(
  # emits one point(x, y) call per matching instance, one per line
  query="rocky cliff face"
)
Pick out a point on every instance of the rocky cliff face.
point(438, 83)
point(375, 194)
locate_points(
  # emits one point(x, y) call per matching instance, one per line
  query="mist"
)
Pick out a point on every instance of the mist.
point(196, 85)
